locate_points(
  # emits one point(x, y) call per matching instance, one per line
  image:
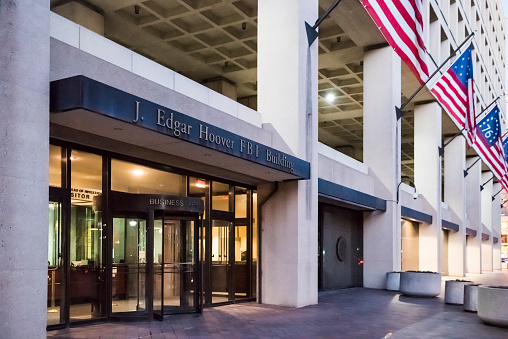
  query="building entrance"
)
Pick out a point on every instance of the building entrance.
point(176, 269)
point(155, 255)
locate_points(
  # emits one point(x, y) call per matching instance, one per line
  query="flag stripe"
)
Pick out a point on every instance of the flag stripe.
point(401, 24)
point(455, 92)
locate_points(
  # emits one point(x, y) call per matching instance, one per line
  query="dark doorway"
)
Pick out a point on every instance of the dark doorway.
point(340, 247)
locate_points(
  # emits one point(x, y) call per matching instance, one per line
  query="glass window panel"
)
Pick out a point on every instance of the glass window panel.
point(55, 270)
point(55, 166)
point(129, 265)
point(240, 202)
point(221, 197)
point(198, 187)
point(133, 178)
point(86, 275)
point(254, 245)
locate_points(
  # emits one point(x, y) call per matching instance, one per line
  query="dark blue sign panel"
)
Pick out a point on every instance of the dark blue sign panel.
point(80, 92)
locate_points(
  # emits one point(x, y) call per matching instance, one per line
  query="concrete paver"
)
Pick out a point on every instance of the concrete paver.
point(349, 313)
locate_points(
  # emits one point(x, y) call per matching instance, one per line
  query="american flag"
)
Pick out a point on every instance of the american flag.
point(455, 92)
point(400, 22)
point(490, 147)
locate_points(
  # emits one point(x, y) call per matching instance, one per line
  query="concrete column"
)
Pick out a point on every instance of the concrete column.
point(496, 228)
point(289, 102)
point(455, 197)
point(24, 136)
point(427, 126)
point(474, 216)
point(486, 206)
point(381, 152)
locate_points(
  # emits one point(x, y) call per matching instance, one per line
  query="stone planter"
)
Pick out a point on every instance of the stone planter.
point(420, 284)
point(493, 305)
point(392, 281)
point(454, 291)
point(471, 297)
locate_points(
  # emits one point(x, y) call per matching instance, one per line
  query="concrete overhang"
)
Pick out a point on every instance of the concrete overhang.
point(85, 105)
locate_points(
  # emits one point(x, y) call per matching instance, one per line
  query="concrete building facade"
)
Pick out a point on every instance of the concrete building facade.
point(198, 153)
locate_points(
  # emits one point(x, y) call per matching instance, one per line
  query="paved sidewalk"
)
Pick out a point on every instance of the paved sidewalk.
point(349, 313)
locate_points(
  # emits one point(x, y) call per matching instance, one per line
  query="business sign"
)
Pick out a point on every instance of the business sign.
point(121, 201)
point(80, 92)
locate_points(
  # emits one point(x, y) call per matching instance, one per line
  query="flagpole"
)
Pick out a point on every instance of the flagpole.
point(485, 183)
point(467, 169)
point(312, 34)
point(399, 111)
point(494, 196)
point(441, 149)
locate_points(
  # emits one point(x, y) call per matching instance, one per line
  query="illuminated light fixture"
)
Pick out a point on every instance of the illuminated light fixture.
point(137, 172)
point(330, 98)
point(73, 157)
point(201, 183)
point(94, 229)
point(133, 223)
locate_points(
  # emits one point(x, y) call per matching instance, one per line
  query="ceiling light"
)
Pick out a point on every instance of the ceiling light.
point(133, 223)
point(72, 158)
point(330, 98)
point(201, 183)
point(137, 172)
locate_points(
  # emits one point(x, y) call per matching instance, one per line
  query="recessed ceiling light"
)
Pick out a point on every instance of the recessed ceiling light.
point(330, 98)
point(207, 155)
point(72, 158)
point(137, 172)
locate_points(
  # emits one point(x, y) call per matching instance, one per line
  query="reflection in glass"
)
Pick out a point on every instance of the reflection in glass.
point(129, 265)
point(55, 166)
point(199, 188)
point(221, 197)
point(133, 178)
point(55, 270)
point(86, 280)
point(254, 244)
point(240, 202)
point(221, 266)
point(241, 270)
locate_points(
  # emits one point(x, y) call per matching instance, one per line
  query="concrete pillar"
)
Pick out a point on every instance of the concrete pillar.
point(24, 136)
point(289, 102)
point(486, 206)
point(455, 197)
point(381, 152)
point(427, 138)
point(496, 228)
point(474, 216)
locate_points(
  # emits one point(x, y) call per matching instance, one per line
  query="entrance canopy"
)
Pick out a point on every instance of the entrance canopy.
point(86, 105)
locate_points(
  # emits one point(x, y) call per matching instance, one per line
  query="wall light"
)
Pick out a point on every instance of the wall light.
point(415, 193)
point(137, 172)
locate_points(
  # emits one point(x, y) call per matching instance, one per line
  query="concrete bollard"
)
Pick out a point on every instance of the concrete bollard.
point(392, 281)
point(471, 297)
point(454, 291)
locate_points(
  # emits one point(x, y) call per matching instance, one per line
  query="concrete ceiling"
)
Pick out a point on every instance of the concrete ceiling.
point(210, 39)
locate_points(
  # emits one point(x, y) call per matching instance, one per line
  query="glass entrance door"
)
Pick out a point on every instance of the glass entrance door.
point(176, 284)
point(129, 266)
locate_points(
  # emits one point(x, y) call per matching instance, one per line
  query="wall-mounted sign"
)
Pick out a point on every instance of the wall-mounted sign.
point(80, 92)
point(121, 201)
point(84, 194)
